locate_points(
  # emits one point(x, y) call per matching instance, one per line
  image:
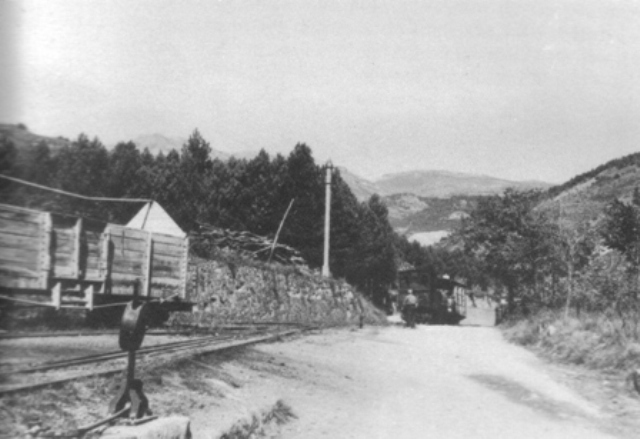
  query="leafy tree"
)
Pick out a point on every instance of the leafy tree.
point(82, 168)
point(573, 245)
point(303, 181)
point(183, 180)
point(375, 270)
point(8, 154)
point(507, 239)
point(220, 198)
point(34, 163)
point(621, 231)
point(636, 196)
point(171, 192)
point(124, 165)
point(345, 229)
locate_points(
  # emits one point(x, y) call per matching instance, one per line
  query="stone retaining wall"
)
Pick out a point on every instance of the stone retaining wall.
point(229, 291)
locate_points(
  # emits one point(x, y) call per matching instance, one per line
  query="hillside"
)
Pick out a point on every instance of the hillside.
point(411, 213)
point(427, 205)
point(23, 139)
point(445, 184)
point(361, 187)
point(435, 184)
point(584, 196)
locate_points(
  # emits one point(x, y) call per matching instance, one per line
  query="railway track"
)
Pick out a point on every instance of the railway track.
point(16, 379)
point(181, 330)
point(14, 335)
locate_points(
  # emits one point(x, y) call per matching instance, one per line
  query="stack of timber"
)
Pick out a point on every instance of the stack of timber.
point(248, 244)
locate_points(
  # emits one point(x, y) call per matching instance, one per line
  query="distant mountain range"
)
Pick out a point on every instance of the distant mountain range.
point(439, 184)
point(361, 187)
point(426, 205)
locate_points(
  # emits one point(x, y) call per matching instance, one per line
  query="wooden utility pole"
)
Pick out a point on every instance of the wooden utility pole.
point(327, 219)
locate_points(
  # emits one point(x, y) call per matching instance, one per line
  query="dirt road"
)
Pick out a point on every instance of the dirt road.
point(430, 382)
point(443, 382)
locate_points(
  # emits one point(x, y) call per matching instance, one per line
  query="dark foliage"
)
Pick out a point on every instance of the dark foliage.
point(241, 195)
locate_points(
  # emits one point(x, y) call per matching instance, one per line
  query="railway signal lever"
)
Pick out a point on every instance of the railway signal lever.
point(132, 329)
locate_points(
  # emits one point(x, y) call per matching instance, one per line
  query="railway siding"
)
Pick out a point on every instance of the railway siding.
point(103, 362)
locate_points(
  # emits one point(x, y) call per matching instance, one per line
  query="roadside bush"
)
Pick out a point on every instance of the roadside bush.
point(599, 340)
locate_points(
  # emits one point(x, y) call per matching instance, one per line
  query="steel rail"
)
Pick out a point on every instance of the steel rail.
point(183, 330)
point(203, 348)
point(14, 335)
point(107, 356)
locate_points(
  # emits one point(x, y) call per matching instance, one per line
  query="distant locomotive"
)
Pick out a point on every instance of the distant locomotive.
point(444, 302)
point(63, 261)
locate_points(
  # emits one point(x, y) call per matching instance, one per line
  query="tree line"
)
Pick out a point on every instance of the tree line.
point(506, 243)
point(237, 194)
point(536, 257)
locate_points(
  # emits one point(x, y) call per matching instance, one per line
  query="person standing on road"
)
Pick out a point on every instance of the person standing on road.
point(409, 306)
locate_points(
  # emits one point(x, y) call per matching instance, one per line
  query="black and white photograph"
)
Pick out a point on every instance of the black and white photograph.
point(358, 219)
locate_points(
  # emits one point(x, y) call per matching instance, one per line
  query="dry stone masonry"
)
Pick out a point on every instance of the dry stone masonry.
point(227, 291)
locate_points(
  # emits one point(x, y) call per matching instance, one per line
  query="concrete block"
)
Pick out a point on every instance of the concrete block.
point(171, 427)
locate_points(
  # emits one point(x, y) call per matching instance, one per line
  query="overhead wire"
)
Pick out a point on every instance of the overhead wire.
point(71, 194)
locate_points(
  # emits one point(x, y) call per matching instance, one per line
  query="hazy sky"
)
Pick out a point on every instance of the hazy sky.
point(541, 89)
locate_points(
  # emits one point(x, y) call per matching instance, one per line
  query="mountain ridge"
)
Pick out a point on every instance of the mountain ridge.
point(584, 197)
point(435, 183)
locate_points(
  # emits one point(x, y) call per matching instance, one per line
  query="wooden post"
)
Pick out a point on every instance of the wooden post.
point(56, 295)
point(45, 251)
point(184, 275)
point(147, 272)
point(89, 297)
point(105, 261)
point(76, 252)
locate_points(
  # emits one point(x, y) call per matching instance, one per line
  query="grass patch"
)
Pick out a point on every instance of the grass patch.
point(596, 340)
point(263, 425)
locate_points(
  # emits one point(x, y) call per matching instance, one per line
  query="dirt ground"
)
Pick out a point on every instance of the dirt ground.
point(375, 382)
point(432, 381)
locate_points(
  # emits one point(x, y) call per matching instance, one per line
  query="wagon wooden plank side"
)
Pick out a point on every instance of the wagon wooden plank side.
point(65, 256)
point(23, 239)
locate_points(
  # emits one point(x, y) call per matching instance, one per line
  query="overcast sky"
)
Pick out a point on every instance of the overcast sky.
point(541, 89)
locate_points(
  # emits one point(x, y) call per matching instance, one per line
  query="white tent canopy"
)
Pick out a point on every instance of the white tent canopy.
point(153, 218)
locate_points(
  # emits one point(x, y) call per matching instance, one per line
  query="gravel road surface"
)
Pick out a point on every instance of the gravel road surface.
point(428, 382)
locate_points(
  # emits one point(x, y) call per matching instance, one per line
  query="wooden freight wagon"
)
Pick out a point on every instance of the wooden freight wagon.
point(72, 262)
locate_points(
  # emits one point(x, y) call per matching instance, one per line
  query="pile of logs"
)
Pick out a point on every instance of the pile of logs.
point(248, 244)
